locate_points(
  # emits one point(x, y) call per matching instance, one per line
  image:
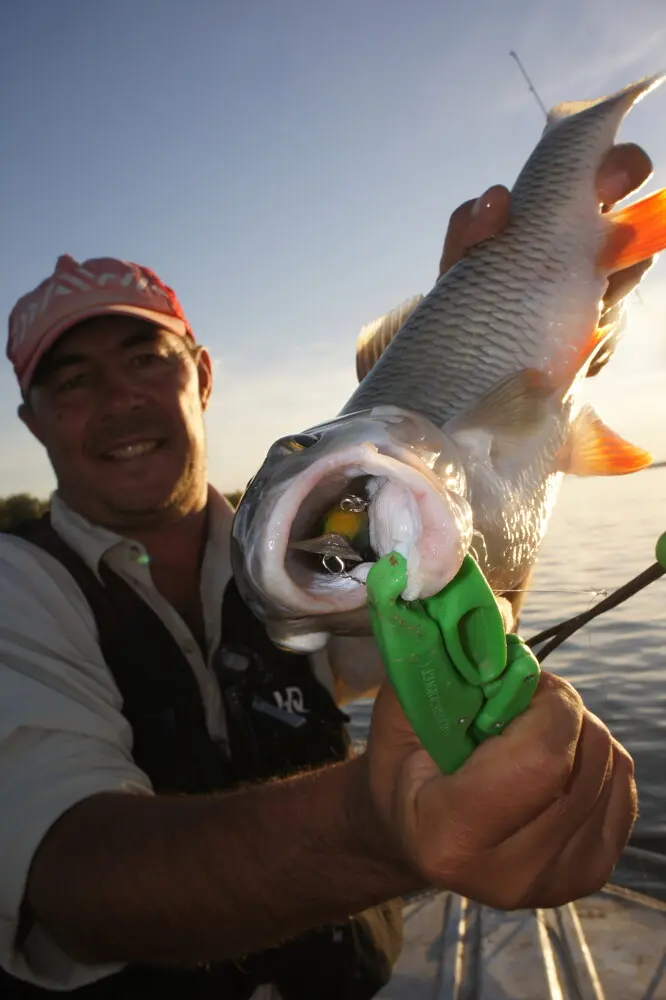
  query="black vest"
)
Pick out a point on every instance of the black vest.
point(279, 719)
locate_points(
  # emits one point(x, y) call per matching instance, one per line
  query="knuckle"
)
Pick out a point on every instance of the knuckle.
point(622, 759)
point(560, 689)
point(552, 767)
point(460, 216)
point(597, 873)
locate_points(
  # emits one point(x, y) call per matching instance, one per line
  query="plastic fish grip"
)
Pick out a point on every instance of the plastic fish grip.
point(458, 677)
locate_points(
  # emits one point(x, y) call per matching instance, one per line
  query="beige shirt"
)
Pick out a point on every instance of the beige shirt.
point(62, 733)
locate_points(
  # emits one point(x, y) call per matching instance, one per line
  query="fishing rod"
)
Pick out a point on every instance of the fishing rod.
point(557, 634)
point(531, 86)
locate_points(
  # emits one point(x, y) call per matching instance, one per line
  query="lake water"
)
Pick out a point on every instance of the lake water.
point(603, 532)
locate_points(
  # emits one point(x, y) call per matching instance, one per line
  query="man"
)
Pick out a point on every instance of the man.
point(112, 879)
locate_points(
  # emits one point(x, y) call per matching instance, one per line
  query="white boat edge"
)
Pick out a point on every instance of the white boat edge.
point(609, 946)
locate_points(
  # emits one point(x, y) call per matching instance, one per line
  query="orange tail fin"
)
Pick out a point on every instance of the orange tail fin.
point(638, 232)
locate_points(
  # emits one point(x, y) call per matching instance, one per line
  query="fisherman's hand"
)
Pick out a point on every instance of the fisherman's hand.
point(536, 817)
point(625, 169)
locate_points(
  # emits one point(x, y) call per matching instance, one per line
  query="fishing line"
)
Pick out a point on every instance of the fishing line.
point(535, 590)
point(560, 632)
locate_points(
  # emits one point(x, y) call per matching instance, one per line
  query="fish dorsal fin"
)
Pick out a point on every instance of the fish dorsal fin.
point(593, 449)
point(375, 337)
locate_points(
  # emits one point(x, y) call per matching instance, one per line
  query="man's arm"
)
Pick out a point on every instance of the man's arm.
point(115, 877)
point(123, 878)
point(96, 863)
point(180, 880)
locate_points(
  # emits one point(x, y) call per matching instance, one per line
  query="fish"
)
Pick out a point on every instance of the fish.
point(468, 411)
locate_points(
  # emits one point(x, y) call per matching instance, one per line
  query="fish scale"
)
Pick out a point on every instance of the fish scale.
point(467, 415)
point(449, 352)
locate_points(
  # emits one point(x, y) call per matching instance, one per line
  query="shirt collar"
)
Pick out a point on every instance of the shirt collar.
point(93, 542)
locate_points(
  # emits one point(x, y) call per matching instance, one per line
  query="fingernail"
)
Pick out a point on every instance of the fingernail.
point(481, 203)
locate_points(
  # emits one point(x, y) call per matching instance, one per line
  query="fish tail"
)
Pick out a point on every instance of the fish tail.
point(638, 232)
point(622, 100)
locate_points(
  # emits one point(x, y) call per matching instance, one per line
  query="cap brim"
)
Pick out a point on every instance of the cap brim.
point(164, 320)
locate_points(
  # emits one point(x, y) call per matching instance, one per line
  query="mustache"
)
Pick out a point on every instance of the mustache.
point(136, 425)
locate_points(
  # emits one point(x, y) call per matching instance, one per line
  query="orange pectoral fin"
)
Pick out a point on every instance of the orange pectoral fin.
point(637, 233)
point(593, 449)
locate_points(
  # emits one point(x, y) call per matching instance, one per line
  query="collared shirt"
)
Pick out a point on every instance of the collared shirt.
point(63, 736)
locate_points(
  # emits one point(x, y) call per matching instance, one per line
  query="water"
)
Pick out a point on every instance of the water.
point(603, 532)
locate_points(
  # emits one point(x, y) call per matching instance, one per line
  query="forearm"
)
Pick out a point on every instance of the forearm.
point(186, 879)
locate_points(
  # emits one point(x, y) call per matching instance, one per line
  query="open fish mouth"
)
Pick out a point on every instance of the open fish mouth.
point(407, 508)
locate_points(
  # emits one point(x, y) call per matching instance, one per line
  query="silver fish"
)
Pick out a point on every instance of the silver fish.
point(468, 411)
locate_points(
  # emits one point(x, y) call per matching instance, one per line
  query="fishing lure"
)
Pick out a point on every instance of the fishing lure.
point(344, 536)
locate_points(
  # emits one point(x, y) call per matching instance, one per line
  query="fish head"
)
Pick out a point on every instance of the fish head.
point(410, 479)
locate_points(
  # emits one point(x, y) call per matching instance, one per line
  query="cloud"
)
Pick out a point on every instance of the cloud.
point(251, 409)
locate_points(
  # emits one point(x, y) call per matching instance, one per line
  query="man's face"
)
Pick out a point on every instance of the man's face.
point(118, 405)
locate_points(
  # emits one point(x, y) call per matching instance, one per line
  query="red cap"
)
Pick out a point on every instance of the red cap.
point(75, 292)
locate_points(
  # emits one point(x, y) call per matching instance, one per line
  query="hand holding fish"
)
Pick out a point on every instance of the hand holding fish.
point(623, 171)
point(535, 818)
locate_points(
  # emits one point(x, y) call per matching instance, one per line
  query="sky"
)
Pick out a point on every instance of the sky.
point(289, 168)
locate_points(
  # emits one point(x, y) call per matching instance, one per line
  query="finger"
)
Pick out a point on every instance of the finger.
point(518, 775)
point(625, 168)
point(608, 348)
point(586, 863)
point(473, 222)
point(516, 598)
point(506, 611)
point(542, 840)
point(390, 731)
point(622, 809)
point(524, 862)
point(621, 283)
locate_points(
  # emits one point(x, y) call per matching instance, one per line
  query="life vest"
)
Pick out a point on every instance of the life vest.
point(280, 719)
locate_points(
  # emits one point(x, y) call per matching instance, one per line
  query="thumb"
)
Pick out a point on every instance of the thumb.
point(475, 221)
point(390, 728)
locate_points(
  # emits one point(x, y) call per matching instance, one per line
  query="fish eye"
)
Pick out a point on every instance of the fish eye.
point(305, 440)
point(296, 442)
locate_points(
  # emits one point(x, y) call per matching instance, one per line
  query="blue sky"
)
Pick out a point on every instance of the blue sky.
point(289, 168)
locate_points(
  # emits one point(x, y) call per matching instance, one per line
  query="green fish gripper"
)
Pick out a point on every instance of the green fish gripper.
point(457, 675)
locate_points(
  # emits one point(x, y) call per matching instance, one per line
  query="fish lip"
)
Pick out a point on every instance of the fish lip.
point(347, 594)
